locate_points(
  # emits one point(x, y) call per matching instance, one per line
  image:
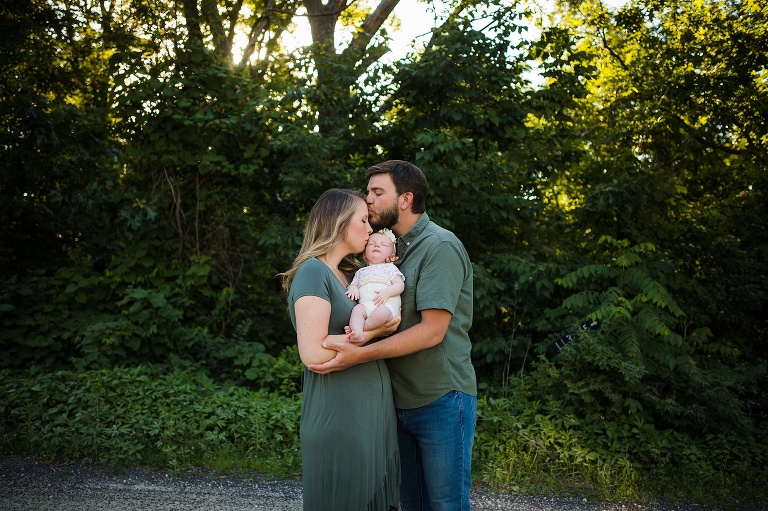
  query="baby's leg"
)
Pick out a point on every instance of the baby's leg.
point(379, 316)
point(356, 323)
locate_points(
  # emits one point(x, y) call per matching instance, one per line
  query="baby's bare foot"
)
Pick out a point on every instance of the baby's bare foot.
point(355, 337)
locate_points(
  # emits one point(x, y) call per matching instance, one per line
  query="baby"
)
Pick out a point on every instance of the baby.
point(377, 286)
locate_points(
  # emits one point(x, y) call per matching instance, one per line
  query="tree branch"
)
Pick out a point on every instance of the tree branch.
point(436, 31)
point(703, 141)
point(611, 52)
point(220, 40)
point(192, 18)
point(373, 23)
point(234, 15)
point(257, 31)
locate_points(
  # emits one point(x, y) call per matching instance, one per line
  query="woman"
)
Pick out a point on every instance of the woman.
point(348, 426)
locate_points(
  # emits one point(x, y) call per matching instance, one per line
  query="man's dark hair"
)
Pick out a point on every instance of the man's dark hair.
point(407, 177)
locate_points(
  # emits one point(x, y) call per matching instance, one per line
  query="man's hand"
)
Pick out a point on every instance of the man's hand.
point(347, 355)
point(388, 328)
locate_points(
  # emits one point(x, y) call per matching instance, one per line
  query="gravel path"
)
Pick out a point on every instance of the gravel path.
point(29, 484)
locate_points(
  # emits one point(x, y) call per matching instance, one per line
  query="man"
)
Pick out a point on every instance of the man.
point(433, 380)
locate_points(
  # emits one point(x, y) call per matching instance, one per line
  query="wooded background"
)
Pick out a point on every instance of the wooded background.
point(156, 174)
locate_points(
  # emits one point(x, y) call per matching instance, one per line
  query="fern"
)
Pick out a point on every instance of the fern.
point(643, 360)
point(585, 272)
point(581, 300)
point(650, 290)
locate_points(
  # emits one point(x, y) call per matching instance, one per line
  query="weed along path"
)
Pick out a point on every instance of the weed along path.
point(28, 484)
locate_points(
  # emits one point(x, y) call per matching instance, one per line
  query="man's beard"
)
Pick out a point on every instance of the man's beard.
point(386, 219)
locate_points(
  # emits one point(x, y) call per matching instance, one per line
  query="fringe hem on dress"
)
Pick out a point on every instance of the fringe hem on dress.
point(388, 495)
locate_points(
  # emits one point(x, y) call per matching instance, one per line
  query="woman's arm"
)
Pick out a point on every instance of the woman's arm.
point(312, 317)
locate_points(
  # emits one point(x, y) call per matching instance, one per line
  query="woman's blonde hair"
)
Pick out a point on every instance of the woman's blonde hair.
point(326, 227)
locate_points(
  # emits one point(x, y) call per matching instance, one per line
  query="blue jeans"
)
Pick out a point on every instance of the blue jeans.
point(436, 453)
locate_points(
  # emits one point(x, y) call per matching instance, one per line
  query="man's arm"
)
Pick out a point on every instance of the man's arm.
point(429, 332)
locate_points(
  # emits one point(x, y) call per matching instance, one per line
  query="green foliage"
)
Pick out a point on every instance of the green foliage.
point(527, 445)
point(58, 163)
point(646, 361)
point(152, 187)
point(92, 319)
point(681, 168)
point(146, 415)
point(526, 450)
point(178, 419)
point(248, 363)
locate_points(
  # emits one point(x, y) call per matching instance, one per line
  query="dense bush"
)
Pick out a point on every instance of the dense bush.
point(548, 445)
point(149, 416)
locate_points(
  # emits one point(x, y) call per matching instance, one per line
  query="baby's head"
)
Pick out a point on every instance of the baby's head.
point(381, 245)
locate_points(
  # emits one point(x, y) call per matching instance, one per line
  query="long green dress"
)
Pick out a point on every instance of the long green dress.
point(350, 459)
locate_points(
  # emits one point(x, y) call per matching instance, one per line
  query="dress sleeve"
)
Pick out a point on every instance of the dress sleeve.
point(309, 281)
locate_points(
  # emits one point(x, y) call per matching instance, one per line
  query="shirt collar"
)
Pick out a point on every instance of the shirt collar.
point(406, 239)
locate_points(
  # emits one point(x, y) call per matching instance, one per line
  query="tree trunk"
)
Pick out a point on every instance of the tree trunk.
point(323, 18)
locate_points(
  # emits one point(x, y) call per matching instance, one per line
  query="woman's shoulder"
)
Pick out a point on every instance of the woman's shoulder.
point(309, 279)
point(310, 264)
point(309, 268)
